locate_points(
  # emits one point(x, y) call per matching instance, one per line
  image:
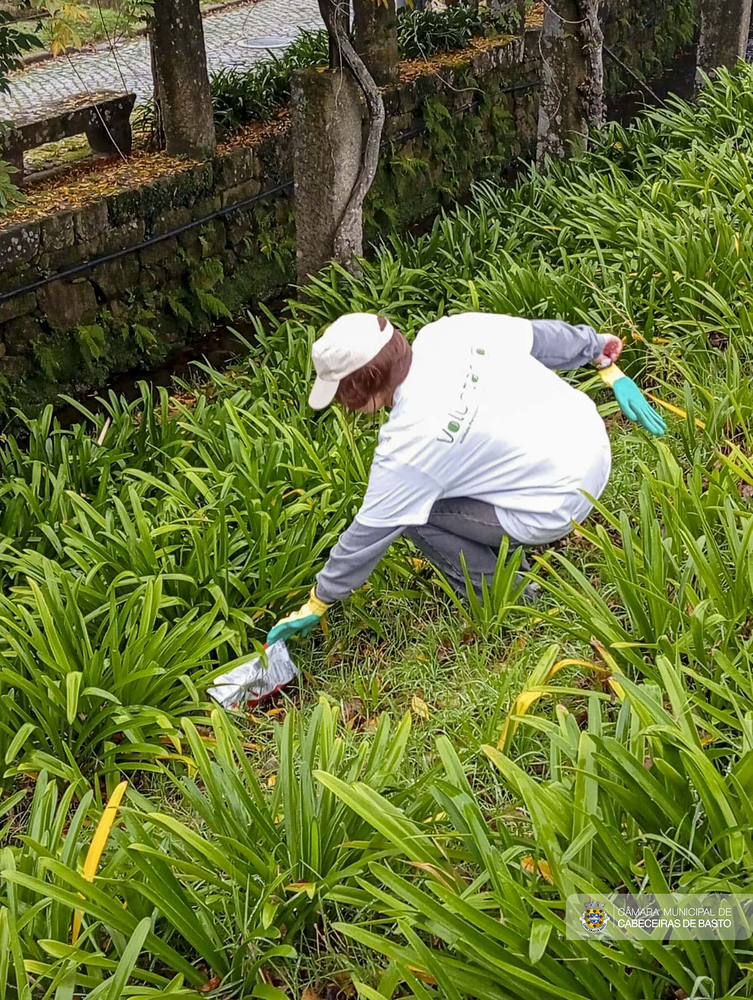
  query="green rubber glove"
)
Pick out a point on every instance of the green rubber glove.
point(301, 622)
point(632, 402)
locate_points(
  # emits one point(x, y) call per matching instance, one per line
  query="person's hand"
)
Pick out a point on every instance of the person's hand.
point(636, 407)
point(612, 351)
point(300, 622)
point(632, 402)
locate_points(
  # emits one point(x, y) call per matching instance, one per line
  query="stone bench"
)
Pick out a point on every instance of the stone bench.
point(105, 117)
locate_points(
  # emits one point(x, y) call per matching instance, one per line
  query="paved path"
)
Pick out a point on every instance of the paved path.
point(236, 37)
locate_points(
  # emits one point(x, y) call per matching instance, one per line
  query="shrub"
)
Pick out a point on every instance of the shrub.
point(240, 96)
point(74, 684)
point(628, 799)
point(10, 195)
point(37, 912)
point(422, 33)
point(675, 577)
point(13, 44)
point(236, 886)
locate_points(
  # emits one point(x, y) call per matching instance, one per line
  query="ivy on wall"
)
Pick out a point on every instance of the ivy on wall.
point(475, 141)
point(646, 35)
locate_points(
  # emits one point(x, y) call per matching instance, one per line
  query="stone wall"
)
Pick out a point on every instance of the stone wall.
point(69, 335)
point(465, 120)
point(645, 35)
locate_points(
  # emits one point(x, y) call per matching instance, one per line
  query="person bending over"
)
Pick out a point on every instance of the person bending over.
point(484, 441)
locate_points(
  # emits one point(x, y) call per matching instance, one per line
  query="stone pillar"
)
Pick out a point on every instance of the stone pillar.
point(572, 89)
point(327, 140)
point(725, 26)
point(375, 38)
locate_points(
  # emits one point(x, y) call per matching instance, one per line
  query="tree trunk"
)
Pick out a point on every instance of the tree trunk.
point(348, 239)
point(181, 80)
point(327, 148)
point(375, 34)
point(337, 26)
point(572, 93)
point(725, 26)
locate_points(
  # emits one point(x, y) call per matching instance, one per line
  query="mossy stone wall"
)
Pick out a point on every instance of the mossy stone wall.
point(71, 335)
point(469, 120)
point(645, 35)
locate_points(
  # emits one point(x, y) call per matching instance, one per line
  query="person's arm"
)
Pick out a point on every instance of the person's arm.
point(396, 494)
point(352, 560)
point(560, 345)
point(349, 566)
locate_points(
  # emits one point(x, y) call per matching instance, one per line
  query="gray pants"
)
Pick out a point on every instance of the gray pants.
point(467, 527)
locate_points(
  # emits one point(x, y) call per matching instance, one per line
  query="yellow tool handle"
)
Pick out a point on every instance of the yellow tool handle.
point(611, 374)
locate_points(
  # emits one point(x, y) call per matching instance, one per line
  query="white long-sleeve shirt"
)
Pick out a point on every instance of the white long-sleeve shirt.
point(482, 415)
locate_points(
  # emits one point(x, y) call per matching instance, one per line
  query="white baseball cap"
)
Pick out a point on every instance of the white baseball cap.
point(347, 345)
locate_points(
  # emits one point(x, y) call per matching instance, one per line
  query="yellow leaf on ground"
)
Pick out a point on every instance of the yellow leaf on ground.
point(618, 689)
point(540, 677)
point(543, 866)
point(308, 887)
point(420, 708)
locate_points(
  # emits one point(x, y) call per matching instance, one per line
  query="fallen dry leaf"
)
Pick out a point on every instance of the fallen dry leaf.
point(420, 708)
point(544, 870)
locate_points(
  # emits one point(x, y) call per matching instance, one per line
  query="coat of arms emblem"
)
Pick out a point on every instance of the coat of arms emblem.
point(594, 917)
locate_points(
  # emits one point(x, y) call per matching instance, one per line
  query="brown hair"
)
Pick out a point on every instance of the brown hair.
point(384, 373)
